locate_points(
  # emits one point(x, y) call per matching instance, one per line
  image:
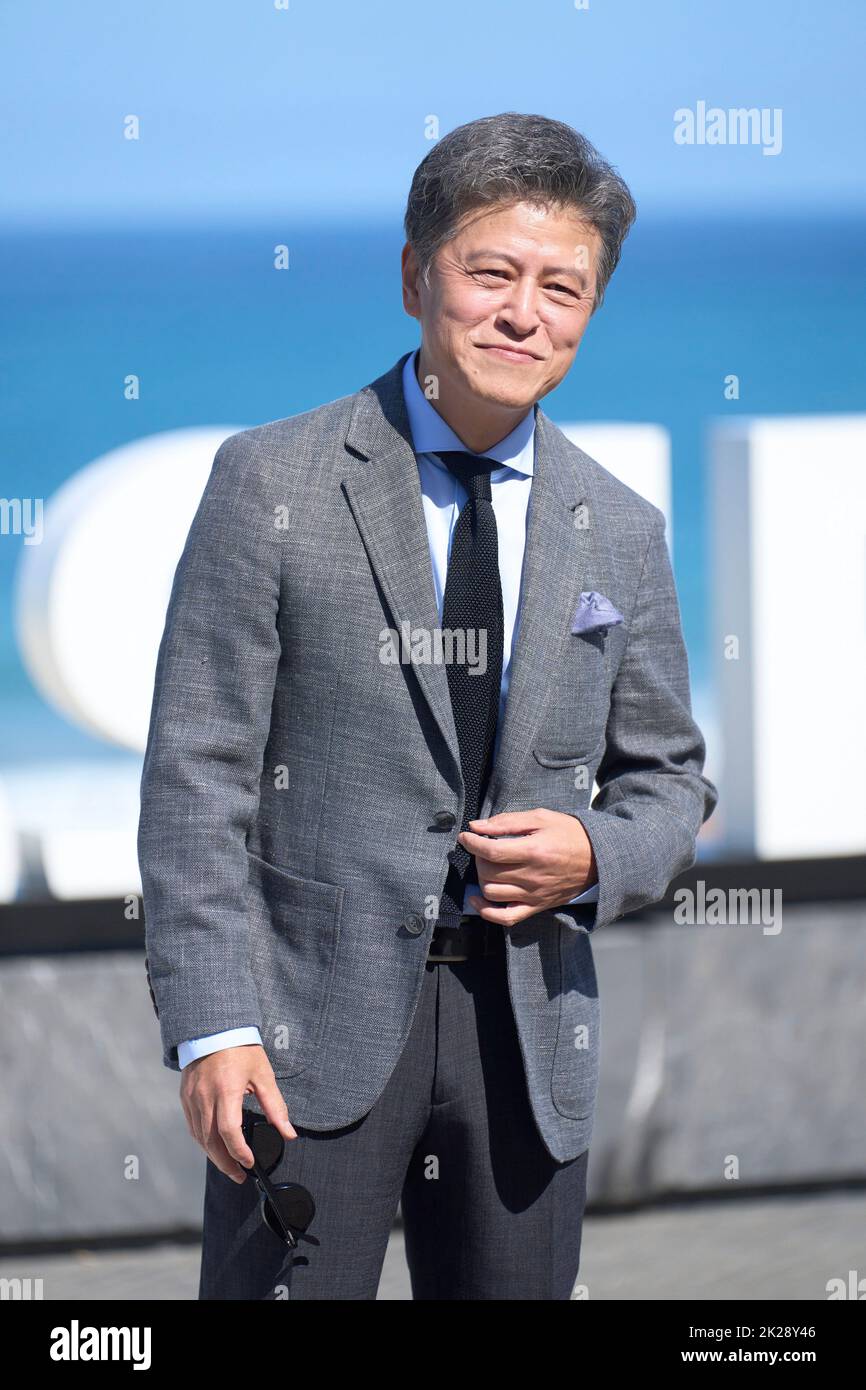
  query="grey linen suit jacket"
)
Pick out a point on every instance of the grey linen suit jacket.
point(290, 854)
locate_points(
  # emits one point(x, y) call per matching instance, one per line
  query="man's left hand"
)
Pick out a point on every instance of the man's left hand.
point(549, 861)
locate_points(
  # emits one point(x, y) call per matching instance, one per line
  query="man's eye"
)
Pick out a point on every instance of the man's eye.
point(490, 272)
point(563, 289)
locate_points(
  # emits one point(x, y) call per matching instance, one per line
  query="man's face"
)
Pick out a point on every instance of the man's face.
point(508, 302)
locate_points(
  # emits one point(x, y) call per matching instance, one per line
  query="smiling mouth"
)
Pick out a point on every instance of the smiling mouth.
point(509, 354)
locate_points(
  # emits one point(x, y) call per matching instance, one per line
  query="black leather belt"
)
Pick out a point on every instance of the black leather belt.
point(472, 938)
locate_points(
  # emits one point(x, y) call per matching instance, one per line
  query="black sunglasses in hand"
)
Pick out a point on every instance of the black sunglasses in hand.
point(287, 1207)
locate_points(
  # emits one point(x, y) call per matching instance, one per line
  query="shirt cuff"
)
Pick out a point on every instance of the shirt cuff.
point(215, 1042)
point(589, 895)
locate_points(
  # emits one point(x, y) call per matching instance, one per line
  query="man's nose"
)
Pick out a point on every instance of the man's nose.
point(521, 306)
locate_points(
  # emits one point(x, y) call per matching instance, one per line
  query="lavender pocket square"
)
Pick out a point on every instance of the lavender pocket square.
point(594, 612)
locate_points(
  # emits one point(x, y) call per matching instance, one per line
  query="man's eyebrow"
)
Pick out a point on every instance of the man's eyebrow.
point(578, 274)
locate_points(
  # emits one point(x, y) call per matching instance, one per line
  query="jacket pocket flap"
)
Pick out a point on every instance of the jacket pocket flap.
point(295, 892)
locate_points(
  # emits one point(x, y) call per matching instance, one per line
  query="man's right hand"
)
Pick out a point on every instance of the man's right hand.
point(212, 1089)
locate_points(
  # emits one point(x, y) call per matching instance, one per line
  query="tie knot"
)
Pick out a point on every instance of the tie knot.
point(473, 470)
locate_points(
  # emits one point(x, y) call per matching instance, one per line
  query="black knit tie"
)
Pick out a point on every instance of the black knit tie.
point(472, 613)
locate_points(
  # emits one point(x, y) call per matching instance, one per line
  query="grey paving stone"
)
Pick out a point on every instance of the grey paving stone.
point(761, 1249)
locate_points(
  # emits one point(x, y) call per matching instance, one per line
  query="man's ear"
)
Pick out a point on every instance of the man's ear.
point(411, 274)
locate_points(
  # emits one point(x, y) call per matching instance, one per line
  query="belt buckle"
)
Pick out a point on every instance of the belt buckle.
point(464, 920)
point(439, 959)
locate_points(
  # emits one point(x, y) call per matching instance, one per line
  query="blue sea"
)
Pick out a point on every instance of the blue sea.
point(216, 335)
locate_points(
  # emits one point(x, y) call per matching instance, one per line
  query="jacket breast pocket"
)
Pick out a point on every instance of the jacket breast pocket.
point(294, 927)
point(560, 760)
point(574, 1080)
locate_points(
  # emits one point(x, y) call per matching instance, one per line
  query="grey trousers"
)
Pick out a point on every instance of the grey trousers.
point(487, 1213)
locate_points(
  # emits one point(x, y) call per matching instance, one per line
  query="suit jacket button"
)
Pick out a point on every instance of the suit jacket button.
point(414, 924)
point(445, 820)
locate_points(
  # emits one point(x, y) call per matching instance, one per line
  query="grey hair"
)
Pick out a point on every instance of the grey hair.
point(513, 158)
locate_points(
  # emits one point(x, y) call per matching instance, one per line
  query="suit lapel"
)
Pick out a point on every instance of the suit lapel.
point(386, 502)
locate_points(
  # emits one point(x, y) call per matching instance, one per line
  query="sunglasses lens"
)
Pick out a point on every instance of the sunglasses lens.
point(295, 1204)
point(267, 1145)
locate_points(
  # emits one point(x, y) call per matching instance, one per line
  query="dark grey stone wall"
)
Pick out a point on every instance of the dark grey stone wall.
point(719, 1043)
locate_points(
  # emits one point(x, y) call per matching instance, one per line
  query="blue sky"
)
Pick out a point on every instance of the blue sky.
point(248, 111)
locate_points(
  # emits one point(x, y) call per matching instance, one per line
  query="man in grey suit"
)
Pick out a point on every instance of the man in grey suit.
point(409, 629)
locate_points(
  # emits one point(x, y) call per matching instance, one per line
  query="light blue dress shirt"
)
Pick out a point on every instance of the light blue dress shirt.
point(443, 498)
